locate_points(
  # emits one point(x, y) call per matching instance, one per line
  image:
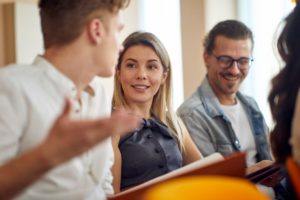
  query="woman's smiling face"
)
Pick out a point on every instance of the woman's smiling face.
point(141, 74)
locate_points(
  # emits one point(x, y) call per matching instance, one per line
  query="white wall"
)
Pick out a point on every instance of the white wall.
point(263, 20)
point(28, 39)
point(218, 10)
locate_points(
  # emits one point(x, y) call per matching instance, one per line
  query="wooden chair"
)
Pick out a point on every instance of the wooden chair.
point(294, 174)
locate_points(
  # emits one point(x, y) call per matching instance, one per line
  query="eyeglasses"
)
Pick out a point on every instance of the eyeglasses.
point(225, 62)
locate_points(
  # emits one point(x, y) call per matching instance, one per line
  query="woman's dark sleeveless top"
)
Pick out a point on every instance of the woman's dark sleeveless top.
point(148, 153)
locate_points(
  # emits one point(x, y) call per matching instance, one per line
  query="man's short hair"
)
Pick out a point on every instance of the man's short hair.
point(232, 29)
point(63, 20)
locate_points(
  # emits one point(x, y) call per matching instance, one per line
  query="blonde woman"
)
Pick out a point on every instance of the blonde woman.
point(143, 88)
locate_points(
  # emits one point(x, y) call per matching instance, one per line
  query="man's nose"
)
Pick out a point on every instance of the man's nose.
point(234, 68)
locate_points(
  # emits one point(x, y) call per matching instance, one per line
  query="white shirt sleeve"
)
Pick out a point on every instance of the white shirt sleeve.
point(107, 183)
point(295, 138)
point(12, 118)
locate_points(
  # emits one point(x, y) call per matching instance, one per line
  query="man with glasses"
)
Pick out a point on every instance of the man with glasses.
point(219, 117)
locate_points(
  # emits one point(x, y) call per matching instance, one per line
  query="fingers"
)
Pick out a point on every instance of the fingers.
point(124, 122)
point(119, 123)
point(68, 138)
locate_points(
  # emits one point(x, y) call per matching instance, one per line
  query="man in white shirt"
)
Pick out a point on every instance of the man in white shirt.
point(81, 42)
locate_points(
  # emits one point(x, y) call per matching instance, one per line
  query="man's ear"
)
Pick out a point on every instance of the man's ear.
point(95, 30)
point(205, 58)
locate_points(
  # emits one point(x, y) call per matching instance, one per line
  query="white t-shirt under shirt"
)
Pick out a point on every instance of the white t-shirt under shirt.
point(31, 98)
point(241, 126)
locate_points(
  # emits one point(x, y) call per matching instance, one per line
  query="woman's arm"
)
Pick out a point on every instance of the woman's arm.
point(190, 152)
point(116, 169)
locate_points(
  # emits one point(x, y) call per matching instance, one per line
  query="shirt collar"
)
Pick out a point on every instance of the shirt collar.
point(209, 99)
point(58, 77)
point(212, 104)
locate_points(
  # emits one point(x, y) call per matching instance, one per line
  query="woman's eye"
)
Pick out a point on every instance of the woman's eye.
point(130, 65)
point(152, 67)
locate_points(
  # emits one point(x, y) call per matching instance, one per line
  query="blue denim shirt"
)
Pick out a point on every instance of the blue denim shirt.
point(212, 131)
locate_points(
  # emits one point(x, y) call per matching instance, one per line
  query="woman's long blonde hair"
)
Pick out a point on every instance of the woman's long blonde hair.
point(162, 103)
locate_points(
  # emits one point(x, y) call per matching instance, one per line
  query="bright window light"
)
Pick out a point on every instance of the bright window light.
point(263, 17)
point(162, 17)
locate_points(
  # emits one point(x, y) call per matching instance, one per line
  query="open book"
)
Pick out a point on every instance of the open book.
point(214, 164)
point(269, 175)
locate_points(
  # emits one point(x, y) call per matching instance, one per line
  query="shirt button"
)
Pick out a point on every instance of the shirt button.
point(149, 136)
point(160, 166)
point(157, 150)
point(237, 144)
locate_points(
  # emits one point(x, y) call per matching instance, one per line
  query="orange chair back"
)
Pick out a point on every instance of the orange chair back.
point(205, 188)
point(294, 174)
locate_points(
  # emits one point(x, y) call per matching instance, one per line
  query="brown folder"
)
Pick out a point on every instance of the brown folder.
point(234, 165)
